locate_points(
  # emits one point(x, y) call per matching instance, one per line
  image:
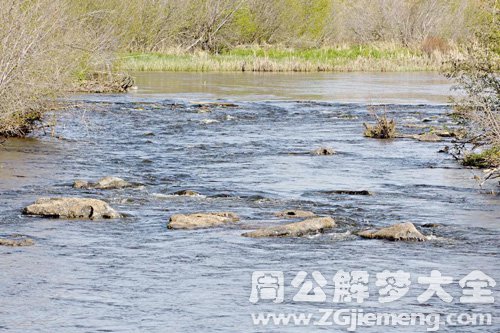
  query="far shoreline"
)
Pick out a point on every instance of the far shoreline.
point(356, 58)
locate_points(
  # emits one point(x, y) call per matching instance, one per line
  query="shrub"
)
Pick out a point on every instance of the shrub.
point(489, 158)
point(476, 75)
point(42, 48)
point(385, 128)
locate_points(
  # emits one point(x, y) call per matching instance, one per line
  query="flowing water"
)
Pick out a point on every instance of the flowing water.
point(135, 275)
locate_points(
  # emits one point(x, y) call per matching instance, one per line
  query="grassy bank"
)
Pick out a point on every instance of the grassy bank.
point(342, 59)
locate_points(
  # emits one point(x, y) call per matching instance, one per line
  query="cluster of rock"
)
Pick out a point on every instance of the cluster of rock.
point(94, 209)
point(310, 225)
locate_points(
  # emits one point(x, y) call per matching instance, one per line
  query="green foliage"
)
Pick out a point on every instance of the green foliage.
point(490, 158)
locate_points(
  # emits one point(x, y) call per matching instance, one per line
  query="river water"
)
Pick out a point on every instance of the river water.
point(135, 275)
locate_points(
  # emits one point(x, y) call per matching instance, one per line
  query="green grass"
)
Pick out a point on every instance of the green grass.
point(256, 59)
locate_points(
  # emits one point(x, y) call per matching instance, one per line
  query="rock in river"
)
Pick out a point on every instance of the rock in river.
point(188, 193)
point(401, 231)
point(15, 241)
point(323, 151)
point(310, 226)
point(294, 214)
point(351, 192)
point(201, 220)
point(427, 137)
point(71, 208)
point(106, 183)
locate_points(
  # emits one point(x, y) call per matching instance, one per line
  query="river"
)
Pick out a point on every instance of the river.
point(135, 275)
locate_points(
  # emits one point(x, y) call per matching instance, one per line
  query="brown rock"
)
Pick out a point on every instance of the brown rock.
point(298, 229)
point(201, 220)
point(401, 231)
point(71, 208)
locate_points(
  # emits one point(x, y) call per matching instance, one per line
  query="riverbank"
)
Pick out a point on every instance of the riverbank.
point(355, 58)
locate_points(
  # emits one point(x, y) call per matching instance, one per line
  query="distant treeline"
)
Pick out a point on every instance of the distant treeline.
point(216, 25)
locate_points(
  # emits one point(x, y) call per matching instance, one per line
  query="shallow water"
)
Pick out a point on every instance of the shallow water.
point(135, 275)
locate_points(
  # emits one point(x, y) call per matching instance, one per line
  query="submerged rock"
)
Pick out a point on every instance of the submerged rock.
point(310, 226)
point(427, 137)
point(323, 151)
point(108, 183)
point(201, 220)
point(445, 150)
point(189, 193)
point(430, 225)
point(15, 241)
point(105, 183)
point(214, 104)
point(401, 231)
point(456, 133)
point(71, 208)
point(81, 184)
point(294, 214)
point(351, 192)
point(209, 121)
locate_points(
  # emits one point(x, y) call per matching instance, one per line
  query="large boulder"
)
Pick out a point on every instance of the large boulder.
point(201, 220)
point(71, 208)
point(310, 226)
point(401, 231)
point(106, 183)
point(294, 214)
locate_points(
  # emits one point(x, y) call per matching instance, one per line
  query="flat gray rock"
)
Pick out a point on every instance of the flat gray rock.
point(310, 226)
point(105, 183)
point(201, 220)
point(71, 208)
point(397, 232)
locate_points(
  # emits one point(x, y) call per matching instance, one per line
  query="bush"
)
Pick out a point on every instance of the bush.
point(384, 128)
point(42, 48)
point(476, 75)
